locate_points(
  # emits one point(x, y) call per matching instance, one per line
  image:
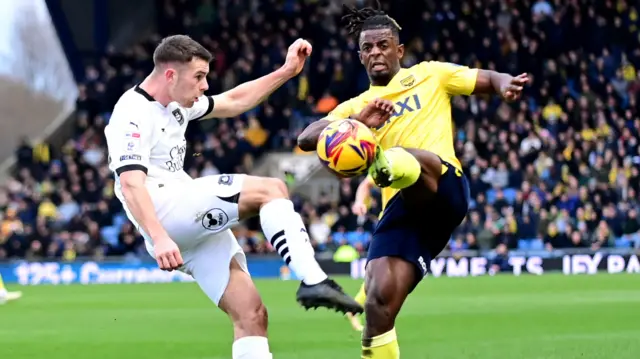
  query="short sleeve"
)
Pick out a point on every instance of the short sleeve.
point(200, 108)
point(129, 139)
point(456, 79)
point(341, 112)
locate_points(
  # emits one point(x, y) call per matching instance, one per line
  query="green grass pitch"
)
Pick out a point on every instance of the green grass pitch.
point(527, 317)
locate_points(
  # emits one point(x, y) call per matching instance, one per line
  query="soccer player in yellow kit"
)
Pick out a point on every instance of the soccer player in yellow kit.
point(424, 191)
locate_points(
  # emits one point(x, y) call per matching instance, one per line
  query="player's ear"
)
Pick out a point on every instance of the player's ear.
point(360, 57)
point(170, 74)
point(400, 51)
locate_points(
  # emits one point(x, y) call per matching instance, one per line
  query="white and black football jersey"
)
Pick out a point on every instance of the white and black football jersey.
point(144, 135)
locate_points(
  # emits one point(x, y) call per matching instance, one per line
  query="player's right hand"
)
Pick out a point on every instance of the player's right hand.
point(167, 254)
point(296, 57)
point(359, 209)
point(376, 112)
point(512, 90)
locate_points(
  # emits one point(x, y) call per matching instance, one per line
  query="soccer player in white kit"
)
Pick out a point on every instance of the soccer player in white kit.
point(186, 222)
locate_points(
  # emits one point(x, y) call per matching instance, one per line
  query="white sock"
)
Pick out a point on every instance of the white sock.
point(285, 231)
point(251, 348)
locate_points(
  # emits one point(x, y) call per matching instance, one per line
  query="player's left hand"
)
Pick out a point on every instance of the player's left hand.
point(296, 57)
point(512, 90)
point(376, 112)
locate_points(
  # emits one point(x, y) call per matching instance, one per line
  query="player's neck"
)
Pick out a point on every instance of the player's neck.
point(383, 80)
point(153, 86)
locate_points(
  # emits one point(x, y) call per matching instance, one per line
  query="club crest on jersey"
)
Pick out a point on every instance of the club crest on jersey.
point(408, 81)
point(178, 115)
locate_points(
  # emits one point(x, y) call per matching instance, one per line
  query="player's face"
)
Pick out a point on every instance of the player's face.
point(380, 54)
point(189, 82)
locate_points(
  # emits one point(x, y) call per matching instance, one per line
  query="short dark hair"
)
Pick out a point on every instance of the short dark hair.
point(179, 48)
point(368, 19)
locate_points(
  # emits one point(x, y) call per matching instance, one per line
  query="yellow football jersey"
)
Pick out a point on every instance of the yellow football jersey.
point(422, 118)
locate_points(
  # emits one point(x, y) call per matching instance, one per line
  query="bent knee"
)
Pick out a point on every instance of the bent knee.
point(379, 313)
point(254, 320)
point(266, 187)
point(258, 191)
point(431, 170)
point(274, 188)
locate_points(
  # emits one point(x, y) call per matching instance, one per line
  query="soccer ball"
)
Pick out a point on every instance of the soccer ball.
point(347, 148)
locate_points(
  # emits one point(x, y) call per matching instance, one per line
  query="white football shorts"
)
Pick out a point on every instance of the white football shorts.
point(198, 216)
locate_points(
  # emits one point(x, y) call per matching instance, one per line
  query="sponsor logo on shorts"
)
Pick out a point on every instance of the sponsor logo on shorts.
point(214, 219)
point(423, 265)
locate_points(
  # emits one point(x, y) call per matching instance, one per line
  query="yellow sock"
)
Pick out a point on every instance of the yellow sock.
point(361, 296)
point(1, 284)
point(404, 167)
point(383, 346)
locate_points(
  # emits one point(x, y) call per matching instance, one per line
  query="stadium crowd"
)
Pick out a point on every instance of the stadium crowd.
point(558, 169)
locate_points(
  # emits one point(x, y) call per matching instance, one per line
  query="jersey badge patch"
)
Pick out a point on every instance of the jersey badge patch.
point(408, 81)
point(132, 141)
point(178, 115)
point(225, 180)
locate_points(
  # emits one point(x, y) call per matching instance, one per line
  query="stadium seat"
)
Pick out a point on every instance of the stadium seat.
point(524, 244)
point(536, 244)
point(623, 243)
point(119, 220)
point(110, 235)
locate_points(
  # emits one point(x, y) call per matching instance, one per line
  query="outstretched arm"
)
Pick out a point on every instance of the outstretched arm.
point(505, 85)
point(373, 114)
point(246, 96)
point(463, 80)
point(308, 139)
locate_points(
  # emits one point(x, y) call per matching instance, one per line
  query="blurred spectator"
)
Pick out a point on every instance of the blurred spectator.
point(500, 262)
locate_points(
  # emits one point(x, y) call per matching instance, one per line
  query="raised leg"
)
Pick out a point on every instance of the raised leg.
point(286, 232)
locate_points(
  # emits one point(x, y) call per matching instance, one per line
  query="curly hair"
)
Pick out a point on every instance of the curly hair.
point(358, 20)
